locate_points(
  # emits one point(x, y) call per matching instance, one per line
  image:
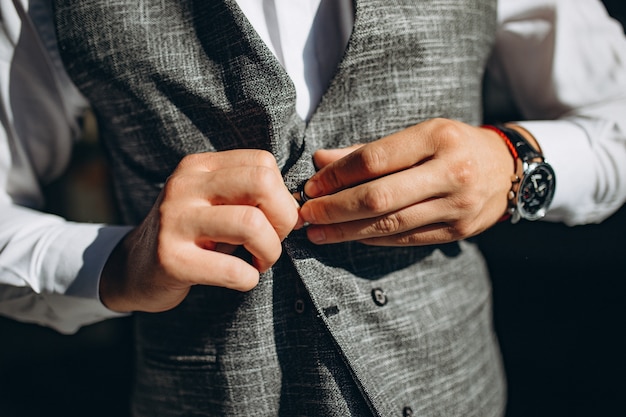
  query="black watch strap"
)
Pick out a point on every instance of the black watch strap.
point(526, 152)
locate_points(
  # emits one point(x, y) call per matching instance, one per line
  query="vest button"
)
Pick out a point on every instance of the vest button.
point(407, 412)
point(299, 306)
point(380, 299)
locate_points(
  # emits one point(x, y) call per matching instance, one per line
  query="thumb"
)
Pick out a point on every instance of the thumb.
point(323, 157)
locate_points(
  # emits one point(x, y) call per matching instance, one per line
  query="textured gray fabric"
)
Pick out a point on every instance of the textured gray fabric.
point(172, 77)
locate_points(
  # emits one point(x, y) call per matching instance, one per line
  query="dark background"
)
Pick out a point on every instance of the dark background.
point(559, 295)
point(560, 310)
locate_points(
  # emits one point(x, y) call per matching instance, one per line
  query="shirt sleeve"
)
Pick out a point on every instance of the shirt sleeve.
point(49, 267)
point(563, 63)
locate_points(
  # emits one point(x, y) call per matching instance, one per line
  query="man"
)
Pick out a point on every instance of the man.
point(373, 303)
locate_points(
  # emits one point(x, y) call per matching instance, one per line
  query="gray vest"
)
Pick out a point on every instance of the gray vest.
point(332, 330)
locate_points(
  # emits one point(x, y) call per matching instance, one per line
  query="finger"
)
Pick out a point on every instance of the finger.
point(378, 197)
point(388, 227)
point(390, 154)
point(256, 186)
point(239, 225)
point(259, 187)
point(323, 157)
point(437, 220)
point(204, 267)
point(433, 234)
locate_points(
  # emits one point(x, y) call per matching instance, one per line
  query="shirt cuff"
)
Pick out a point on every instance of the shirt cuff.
point(567, 148)
point(95, 253)
point(56, 272)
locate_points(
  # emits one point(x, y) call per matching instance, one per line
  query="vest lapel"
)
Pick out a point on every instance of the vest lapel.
point(255, 83)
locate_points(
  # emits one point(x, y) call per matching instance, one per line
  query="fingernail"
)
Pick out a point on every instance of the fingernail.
point(312, 188)
point(316, 235)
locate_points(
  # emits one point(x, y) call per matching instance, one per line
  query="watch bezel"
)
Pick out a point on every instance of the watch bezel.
point(531, 168)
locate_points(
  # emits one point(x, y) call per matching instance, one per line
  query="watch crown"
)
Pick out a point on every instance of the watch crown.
point(511, 195)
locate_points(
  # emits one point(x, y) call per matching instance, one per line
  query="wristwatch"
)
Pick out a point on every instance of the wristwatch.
point(534, 181)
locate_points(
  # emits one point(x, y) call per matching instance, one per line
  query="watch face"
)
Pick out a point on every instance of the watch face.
point(536, 191)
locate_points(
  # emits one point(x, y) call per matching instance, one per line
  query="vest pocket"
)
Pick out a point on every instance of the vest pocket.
point(200, 361)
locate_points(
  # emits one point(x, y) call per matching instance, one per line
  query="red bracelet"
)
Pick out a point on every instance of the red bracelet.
point(506, 139)
point(514, 177)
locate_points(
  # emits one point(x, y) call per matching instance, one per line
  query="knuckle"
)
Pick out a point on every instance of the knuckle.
point(462, 230)
point(448, 130)
point(449, 233)
point(252, 219)
point(387, 225)
point(408, 239)
point(194, 159)
point(373, 159)
point(377, 200)
point(265, 178)
point(466, 202)
point(445, 133)
point(264, 158)
point(175, 185)
point(462, 173)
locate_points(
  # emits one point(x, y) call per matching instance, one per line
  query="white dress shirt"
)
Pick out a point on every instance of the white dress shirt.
point(562, 62)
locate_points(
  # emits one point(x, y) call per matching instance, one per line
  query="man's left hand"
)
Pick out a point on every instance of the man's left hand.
point(435, 182)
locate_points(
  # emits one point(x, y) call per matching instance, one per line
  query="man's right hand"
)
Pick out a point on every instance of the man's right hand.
point(212, 203)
